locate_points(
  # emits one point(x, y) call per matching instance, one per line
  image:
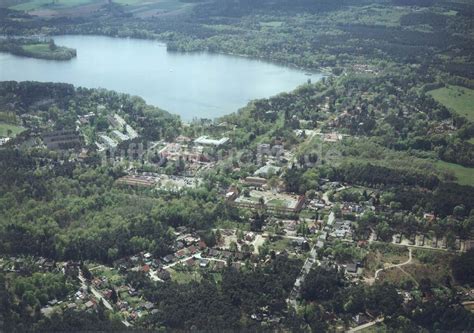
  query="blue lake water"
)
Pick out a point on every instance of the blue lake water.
point(201, 85)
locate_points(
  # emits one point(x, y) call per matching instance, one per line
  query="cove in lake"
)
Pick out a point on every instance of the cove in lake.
point(193, 85)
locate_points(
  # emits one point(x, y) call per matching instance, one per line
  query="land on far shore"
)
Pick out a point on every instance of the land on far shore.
point(37, 49)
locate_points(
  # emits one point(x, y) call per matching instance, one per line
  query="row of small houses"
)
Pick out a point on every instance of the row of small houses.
point(436, 242)
point(22, 264)
point(146, 261)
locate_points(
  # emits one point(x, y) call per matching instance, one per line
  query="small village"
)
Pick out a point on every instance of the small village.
point(322, 228)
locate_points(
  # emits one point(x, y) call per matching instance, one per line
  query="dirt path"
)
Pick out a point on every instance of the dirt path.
point(408, 262)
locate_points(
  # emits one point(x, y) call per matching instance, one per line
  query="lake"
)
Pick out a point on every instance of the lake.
point(193, 85)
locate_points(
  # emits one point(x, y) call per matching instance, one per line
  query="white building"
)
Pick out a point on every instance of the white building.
point(109, 142)
point(120, 136)
point(206, 141)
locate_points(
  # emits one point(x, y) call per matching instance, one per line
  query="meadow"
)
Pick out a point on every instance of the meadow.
point(464, 175)
point(459, 99)
point(4, 129)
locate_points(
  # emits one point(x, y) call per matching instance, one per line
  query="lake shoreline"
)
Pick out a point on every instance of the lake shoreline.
point(39, 48)
point(312, 70)
point(190, 84)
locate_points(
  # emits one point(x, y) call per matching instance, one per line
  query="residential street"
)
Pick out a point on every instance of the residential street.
point(308, 264)
point(361, 327)
point(197, 256)
point(99, 296)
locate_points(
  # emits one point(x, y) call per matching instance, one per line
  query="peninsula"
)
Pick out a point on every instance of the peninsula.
point(37, 48)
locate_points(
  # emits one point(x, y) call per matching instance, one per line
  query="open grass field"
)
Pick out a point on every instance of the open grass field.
point(84, 7)
point(381, 255)
point(378, 328)
point(457, 98)
point(43, 51)
point(4, 130)
point(280, 245)
point(183, 277)
point(431, 264)
point(112, 275)
point(426, 264)
point(464, 175)
point(37, 48)
point(147, 8)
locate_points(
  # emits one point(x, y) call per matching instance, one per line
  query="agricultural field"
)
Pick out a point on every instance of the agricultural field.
point(457, 98)
point(140, 8)
point(49, 4)
point(143, 9)
point(163, 4)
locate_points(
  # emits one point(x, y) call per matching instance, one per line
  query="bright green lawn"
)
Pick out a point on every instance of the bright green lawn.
point(457, 98)
point(464, 175)
point(280, 245)
point(37, 48)
point(43, 51)
point(183, 277)
point(13, 128)
point(277, 202)
point(378, 328)
point(39, 4)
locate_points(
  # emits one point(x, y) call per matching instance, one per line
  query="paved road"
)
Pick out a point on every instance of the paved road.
point(326, 195)
point(198, 256)
point(326, 198)
point(300, 279)
point(288, 237)
point(361, 327)
point(99, 296)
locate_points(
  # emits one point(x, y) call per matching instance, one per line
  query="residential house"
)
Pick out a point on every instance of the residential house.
point(351, 268)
